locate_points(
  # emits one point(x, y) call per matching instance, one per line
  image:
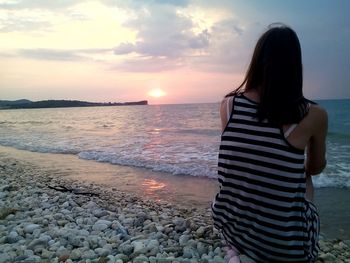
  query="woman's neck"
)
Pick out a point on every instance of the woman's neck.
point(252, 95)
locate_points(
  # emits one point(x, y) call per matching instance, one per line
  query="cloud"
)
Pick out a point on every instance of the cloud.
point(167, 32)
point(162, 32)
point(175, 40)
point(165, 35)
point(148, 64)
point(57, 54)
point(18, 24)
point(49, 54)
point(124, 48)
point(38, 4)
point(162, 2)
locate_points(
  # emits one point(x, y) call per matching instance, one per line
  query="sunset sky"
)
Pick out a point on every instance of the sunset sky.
point(164, 51)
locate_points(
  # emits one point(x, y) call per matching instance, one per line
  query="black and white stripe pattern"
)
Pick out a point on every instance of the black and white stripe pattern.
point(261, 207)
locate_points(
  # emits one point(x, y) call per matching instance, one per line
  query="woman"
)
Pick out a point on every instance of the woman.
point(264, 208)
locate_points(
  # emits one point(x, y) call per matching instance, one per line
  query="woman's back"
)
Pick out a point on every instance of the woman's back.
point(261, 207)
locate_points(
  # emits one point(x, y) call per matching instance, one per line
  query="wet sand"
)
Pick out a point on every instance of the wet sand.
point(184, 191)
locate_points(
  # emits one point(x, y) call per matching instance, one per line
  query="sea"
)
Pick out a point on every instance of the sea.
point(181, 139)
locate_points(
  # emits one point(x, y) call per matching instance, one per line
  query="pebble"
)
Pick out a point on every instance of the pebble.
point(75, 254)
point(12, 237)
point(30, 228)
point(99, 227)
point(39, 224)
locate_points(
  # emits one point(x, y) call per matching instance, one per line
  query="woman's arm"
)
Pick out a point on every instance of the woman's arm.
point(225, 110)
point(316, 148)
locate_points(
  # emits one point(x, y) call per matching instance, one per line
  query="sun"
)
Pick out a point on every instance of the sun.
point(156, 93)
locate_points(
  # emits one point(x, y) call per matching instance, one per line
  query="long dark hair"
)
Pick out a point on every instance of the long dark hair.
point(276, 73)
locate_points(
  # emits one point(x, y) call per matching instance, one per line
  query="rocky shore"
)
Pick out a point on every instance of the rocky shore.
point(49, 218)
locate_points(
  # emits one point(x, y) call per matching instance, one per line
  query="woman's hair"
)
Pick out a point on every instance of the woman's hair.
point(276, 73)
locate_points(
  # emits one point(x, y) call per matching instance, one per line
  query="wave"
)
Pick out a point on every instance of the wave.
point(338, 177)
point(26, 122)
point(207, 132)
point(174, 169)
point(41, 149)
point(335, 136)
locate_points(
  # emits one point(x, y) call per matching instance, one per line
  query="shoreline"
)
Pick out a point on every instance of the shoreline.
point(116, 225)
point(39, 224)
point(181, 190)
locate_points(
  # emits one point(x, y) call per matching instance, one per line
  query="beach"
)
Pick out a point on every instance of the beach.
point(53, 212)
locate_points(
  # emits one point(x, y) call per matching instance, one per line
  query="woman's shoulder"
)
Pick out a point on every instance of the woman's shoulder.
point(318, 113)
point(317, 117)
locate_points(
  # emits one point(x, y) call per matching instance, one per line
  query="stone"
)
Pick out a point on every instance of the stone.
point(126, 249)
point(140, 259)
point(151, 227)
point(218, 259)
point(28, 253)
point(33, 259)
point(165, 260)
point(30, 228)
point(138, 245)
point(110, 259)
point(106, 222)
point(99, 227)
point(75, 254)
point(5, 258)
point(89, 254)
point(188, 252)
point(327, 258)
point(201, 248)
point(217, 251)
point(76, 241)
point(183, 239)
point(37, 243)
point(62, 252)
point(12, 237)
point(102, 252)
point(200, 231)
point(122, 257)
point(99, 212)
point(45, 254)
point(153, 243)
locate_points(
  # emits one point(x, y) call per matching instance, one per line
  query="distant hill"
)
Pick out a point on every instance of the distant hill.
point(27, 104)
point(4, 103)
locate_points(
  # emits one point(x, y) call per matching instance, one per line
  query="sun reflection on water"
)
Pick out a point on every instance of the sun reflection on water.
point(151, 187)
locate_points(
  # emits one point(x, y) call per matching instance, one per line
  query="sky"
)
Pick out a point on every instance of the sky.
point(165, 51)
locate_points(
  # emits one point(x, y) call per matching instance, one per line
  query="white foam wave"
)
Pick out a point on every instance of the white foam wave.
point(175, 169)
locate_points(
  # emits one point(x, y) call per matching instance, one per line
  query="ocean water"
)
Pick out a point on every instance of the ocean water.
point(176, 139)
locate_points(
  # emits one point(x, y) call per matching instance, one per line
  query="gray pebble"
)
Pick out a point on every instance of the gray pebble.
point(12, 237)
point(30, 228)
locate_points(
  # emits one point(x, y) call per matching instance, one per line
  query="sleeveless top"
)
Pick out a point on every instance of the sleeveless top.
point(261, 207)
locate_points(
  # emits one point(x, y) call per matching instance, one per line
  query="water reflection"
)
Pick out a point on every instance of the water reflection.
point(152, 187)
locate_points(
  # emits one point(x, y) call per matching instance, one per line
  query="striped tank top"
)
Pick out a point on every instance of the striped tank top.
point(261, 208)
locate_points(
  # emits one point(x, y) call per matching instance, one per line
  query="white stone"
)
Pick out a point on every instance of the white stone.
point(30, 228)
point(138, 245)
point(99, 227)
point(106, 222)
